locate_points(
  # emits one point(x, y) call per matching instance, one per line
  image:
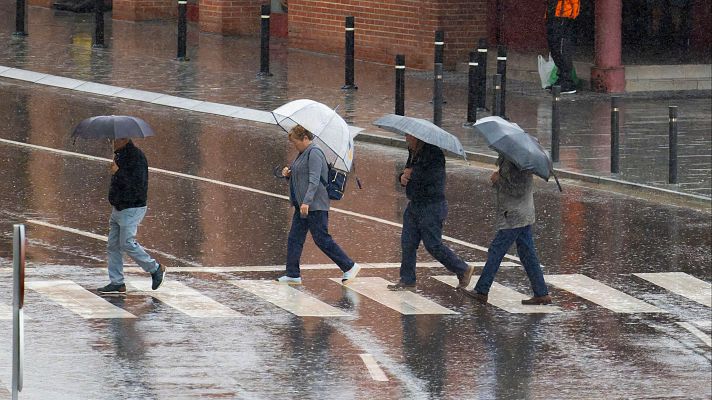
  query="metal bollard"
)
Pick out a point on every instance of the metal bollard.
point(502, 70)
point(98, 38)
point(482, 62)
point(349, 55)
point(497, 96)
point(472, 88)
point(20, 16)
point(615, 135)
point(555, 122)
point(672, 138)
point(265, 12)
point(439, 46)
point(400, 84)
point(18, 301)
point(438, 95)
point(182, 30)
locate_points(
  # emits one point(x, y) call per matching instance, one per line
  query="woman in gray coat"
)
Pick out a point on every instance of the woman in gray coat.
point(515, 216)
point(307, 193)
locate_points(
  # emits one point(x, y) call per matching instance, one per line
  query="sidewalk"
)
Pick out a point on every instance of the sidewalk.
point(224, 69)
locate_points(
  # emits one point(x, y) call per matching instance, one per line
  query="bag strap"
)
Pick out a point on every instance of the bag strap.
point(321, 179)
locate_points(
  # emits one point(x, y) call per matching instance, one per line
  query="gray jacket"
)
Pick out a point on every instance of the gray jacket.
point(515, 196)
point(309, 170)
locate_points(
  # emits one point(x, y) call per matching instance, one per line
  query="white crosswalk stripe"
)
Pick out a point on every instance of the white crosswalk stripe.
point(700, 335)
point(5, 312)
point(77, 299)
point(184, 299)
point(288, 298)
point(405, 302)
point(598, 293)
point(502, 297)
point(683, 284)
point(374, 370)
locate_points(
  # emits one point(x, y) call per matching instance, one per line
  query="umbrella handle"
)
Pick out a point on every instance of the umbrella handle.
point(557, 181)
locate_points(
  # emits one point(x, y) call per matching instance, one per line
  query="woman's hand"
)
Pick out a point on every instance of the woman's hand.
point(304, 210)
point(495, 177)
point(286, 172)
point(405, 177)
point(114, 167)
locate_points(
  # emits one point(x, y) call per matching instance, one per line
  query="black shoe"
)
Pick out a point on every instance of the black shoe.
point(112, 288)
point(402, 286)
point(481, 297)
point(157, 277)
point(566, 89)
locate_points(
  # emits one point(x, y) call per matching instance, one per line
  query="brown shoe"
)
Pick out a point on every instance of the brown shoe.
point(540, 300)
point(481, 297)
point(464, 280)
point(402, 286)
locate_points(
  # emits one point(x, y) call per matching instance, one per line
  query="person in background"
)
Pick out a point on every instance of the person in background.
point(560, 17)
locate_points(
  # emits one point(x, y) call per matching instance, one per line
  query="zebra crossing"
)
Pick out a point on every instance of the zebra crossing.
point(299, 301)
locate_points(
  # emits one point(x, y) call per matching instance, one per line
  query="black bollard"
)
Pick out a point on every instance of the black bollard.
point(182, 30)
point(615, 135)
point(439, 46)
point(672, 136)
point(20, 15)
point(264, 40)
point(349, 55)
point(98, 38)
point(482, 63)
point(555, 122)
point(497, 97)
point(438, 95)
point(400, 84)
point(472, 88)
point(502, 70)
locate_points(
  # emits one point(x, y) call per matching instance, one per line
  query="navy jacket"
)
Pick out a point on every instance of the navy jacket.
point(427, 180)
point(129, 185)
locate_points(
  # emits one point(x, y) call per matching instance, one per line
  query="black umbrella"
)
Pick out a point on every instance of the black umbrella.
point(112, 127)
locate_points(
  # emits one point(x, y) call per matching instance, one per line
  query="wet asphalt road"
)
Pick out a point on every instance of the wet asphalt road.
point(586, 351)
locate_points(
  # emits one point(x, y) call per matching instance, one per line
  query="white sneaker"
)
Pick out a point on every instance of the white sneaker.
point(289, 281)
point(350, 274)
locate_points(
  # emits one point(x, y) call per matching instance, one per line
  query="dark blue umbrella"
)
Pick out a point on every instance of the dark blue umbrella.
point(112, 127)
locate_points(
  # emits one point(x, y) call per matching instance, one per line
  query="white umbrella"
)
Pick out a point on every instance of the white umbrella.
point(331, 133)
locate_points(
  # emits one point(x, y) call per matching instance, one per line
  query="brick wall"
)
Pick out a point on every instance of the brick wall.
point(230, 17)
point(143, 10)
point(388, 27)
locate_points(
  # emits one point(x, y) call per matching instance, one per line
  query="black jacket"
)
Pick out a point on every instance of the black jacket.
point(129, 185)
point(427, 180)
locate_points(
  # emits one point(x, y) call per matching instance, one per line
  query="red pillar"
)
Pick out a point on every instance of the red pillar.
point(608, 74)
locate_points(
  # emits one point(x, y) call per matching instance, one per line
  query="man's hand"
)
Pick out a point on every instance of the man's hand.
point(304, 210)
point(405, 178)
point(495, 177)
point(114, 167)
point(286, 172)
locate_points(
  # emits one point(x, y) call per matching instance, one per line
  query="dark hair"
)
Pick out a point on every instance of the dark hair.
point(299, 132)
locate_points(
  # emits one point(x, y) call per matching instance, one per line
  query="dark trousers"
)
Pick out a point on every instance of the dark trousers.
point(560, 37)
point(527, 255)
point(425, 222)
point(317, 222)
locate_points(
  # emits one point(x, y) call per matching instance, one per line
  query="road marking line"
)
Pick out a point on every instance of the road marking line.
point(700, 335)
point(596, 292)
point(244, 188)
point(376, 372)
point(185, 299)
point(289, 298)
point(702, 323)
point(5, 312)
point(683, 284)
point(502, 297)
point(77, 299)
point(405, 302)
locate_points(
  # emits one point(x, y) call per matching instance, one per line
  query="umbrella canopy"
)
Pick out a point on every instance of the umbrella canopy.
point(331, 133)
point(112, 127)
point(421, 129)
point(516, 145)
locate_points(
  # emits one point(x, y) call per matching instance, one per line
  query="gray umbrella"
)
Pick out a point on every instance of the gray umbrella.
point(512, 142)
point(112, 127)
point(421, 129)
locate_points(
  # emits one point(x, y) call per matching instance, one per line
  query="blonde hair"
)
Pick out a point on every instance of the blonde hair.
point(299, 133)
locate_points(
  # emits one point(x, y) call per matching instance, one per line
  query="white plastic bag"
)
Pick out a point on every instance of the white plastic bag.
point(545, 70)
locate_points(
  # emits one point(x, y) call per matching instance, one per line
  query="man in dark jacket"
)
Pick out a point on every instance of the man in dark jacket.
point(560, 17)
point(127, 196)
point(424, 182)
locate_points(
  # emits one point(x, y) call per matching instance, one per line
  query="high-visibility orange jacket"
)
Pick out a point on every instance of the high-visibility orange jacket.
point(567, 8)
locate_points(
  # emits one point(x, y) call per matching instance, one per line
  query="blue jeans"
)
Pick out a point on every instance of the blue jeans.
point(425, 222)
point(123, 226)
point(527, 255)
point(317, 222)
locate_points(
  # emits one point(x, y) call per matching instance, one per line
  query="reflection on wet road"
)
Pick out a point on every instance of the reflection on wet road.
point(220, 220)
